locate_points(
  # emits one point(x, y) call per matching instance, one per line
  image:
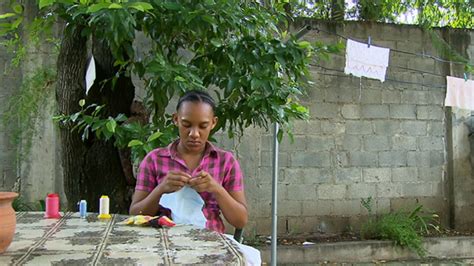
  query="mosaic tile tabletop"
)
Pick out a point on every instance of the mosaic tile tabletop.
point(72, 240)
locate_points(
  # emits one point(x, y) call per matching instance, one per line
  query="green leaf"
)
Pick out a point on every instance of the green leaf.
point(17, 22)
point(216, 42)
point(45, 3)
point(115, 6)
point(17, 8)
point(7, 15)
point(179, 78)
point(142, 6)
point(111, 125)
point(134, 142)
point(172, 6)
point(154, 136)
point(209, 19)
point(82, 102)
point(96, 7)
point(304, 44)
point(280, 135)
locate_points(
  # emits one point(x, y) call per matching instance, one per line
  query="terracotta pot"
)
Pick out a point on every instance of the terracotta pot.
point(7, 219)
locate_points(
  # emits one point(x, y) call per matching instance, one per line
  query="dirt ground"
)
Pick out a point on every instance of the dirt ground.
point(307, 239)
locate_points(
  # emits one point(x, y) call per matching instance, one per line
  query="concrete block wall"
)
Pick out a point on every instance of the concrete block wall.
point(10, 78)
point(364, 139)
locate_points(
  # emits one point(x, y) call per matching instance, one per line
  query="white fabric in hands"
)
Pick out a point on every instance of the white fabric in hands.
point(364, 61)
point(460, 93)
point(186, 206)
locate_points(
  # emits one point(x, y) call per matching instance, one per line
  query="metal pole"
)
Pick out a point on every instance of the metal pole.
point(274, 194)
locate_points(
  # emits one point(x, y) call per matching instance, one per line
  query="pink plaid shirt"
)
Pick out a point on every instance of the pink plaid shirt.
point(220, 164)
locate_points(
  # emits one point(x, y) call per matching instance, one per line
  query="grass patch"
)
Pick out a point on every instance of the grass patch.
point(404, 228)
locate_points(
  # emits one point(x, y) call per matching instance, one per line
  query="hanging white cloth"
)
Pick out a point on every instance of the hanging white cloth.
point(364, 61)
point(90, 74)
point(460, 93)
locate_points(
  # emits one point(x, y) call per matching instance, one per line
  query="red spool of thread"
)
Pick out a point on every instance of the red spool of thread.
point(52, 206)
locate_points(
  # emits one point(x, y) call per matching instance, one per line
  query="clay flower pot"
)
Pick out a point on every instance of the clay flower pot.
point(7, 219)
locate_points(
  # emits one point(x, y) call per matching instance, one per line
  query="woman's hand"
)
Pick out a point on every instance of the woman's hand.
point(174, 181)
point(204, 182)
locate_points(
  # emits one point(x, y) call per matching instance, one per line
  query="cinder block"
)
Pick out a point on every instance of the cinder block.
point(376, 143)
point(358, 127)
point(402, 111)
point(420, 63)
point(431, 174)
point(301, 192)
point(374, 111)
point(391, 96)
point(340, 159)
point(318, 207)
point(317, 143)
point(405, 174)
point(369, 159)
point(324, 110)
point(436, 128)
point(267, 159)
point(430, 112)
point(298, 143)
point(419, 158)
point(417, 189)
point(310, 159)
point(431, 143)
point(352, 142)
point(361, 191)
point(348, 175)
point(310, 127)
point(370, 96)
point(347, 208)
point(308, 176)
point(330, 191)
point(376, 175)
point(265, 174)
point(340, 94)
point(392, 158)
point(332, 128)
point(350, 111)
point(382, 206)
point(290, 208)
point(413, 128)
point(403, 204)
point(315, 94)
point(437, 158)
point(404, 143)
point(386, 127)
point(389, 190)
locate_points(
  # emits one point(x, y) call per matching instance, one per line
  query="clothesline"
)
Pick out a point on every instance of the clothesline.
point(388, 79)
point(396, 50)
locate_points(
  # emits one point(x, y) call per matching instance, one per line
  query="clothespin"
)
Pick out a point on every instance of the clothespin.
point(369, 42)
point(465, 76)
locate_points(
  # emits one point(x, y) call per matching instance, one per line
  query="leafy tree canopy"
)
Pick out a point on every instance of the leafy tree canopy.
point(234, 49)
point(426, 13)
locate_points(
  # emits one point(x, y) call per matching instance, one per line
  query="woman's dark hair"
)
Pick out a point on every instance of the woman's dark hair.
point(196, 96)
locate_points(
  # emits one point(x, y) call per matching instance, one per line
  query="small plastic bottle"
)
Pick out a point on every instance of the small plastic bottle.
point(104, 207)
point(83, 208)
point(52, 206)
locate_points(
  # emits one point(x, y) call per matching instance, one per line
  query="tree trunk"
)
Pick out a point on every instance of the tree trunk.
point(91, 168)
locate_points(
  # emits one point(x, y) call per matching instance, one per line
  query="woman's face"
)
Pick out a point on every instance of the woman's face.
point(195, 120)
